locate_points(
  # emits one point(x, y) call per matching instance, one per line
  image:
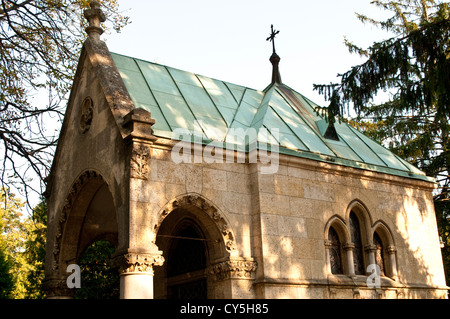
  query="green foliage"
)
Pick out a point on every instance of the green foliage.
point(22, 256)
point(40, 42)
point(98, 279)
point(6, 277)
point(443, 211)
point(22, 247)
point(12, 241)
point(35, 252)
point(412, 69)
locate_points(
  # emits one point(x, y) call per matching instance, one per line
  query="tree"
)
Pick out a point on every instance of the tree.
point(35, 251)
point(6, 278)
point(22, 248)
point(22, 257)
point(98, 279)
point(40, 41)
point(413, 69)
point(12, 243)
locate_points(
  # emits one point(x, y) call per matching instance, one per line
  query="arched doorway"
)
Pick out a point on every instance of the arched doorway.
point(193, 236)
point(89, 215)
point(191, 225)
point(187, 249)
point(187, 262)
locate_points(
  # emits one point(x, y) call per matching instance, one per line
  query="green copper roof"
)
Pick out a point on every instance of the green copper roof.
point(182, 100)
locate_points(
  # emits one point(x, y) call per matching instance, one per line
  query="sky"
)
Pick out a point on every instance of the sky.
point(226, 40)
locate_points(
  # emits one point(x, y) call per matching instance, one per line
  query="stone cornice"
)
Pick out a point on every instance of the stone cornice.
point(325, 166)
point(354, 172)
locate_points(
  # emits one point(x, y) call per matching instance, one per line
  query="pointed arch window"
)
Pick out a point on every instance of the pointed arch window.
point(335, 252)
point(379, 253)
point(358, 255)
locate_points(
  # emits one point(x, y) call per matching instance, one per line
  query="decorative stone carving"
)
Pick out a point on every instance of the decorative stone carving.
point(87, 114)
point(57, 288)
point(234, 269)
point(95, 16)
point(201, 203)
point(138, 122)
point(137, 262)
point(140, 157)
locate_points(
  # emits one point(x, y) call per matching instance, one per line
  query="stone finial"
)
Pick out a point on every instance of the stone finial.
point(95, 16)
point(275, 60)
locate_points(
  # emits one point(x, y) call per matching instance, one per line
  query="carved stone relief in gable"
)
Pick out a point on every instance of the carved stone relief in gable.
point(87, 114)
point(139, 163)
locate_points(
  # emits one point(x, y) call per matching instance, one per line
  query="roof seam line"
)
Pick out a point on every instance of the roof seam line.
point(401, 161)
point(376, 154)
point(306, 123)
point(237, 110)
point(185, 101)
point(260, 108)
point(229, 90)
point(151, 92)
point(270, 132)
point(355, 151)
point(293, 133)
point(212, 101)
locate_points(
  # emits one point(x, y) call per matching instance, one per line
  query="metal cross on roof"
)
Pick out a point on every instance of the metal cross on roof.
point(272, 37)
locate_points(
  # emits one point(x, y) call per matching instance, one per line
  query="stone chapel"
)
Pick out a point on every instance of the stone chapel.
point(208, 189)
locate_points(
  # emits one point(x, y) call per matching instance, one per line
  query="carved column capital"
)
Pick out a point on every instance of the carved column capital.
point(349, 246)
point(370, 248)
point(391, 249)
point(137, 262)
point(55, 287)
point(234, 269)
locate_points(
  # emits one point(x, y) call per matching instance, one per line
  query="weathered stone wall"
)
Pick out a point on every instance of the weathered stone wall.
point(90, 147)
point(297, 203)
point(266, 233)
point(280, 221)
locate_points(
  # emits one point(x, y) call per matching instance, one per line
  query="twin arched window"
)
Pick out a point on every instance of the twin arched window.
point(352, 246)
point(335, 252)
point(355, 236)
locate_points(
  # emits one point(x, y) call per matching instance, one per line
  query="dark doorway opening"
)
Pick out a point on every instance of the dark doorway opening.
point(186, 264)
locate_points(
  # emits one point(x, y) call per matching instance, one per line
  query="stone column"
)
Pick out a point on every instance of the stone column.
point(136, 274)
point(349, 258)
point(392, 262)
point(56, 287)
point(328, 257)
point(371, 249)
point(136, 264)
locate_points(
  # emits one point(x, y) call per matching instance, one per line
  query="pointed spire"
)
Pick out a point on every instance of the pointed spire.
point(95, 16)
point(274, 59)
